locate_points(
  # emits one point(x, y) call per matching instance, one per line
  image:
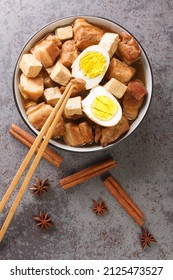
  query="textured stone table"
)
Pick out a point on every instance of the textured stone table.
point(145, 160)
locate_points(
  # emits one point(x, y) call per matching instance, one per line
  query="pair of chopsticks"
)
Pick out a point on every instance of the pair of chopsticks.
point(46, 131)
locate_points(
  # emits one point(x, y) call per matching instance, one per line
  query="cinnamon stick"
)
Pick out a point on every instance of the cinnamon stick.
point(126, 196)
point(87, 173)
point(124, 203)
point(28, 140)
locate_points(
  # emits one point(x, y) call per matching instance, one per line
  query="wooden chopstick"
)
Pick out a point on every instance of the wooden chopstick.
point(32, 151)
point(53, 119)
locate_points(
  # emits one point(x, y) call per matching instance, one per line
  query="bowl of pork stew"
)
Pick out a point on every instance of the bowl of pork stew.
point(111, 77)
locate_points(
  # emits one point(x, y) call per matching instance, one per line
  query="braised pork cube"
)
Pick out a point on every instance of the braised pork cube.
point(107, 135)
point(72, 136)
point(115, 87)
point(31, 88)
point(54, 39)
point(46, 52)
point(37, 116)
point(77, 134)
point(86, 131)
point(59, 129)
point(30, 66)
point(60, 74)
point(97, 133)
point(69, 53)
point(64, 33)
point(120, 71)
point(131, 106)
point(52, 95)
point(79, 86)
point(136, 89)
point(110, 41)
point(86, 34)
point(128, 48)
point(73, 107)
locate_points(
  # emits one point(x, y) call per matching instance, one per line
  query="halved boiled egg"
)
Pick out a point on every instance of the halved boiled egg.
point(102, 107)
point(91, 65)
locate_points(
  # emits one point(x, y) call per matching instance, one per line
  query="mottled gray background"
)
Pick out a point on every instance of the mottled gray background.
point(144, 159)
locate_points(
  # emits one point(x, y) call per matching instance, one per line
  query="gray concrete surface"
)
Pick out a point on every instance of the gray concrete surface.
point(145, 160)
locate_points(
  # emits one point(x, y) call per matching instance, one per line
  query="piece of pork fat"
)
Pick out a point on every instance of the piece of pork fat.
point(37, 116)
point(131, 106)
point(107, 135)
point(136, 89)
point(86, 34)
point(69, 53)
point(128, 48)
point(77, 134)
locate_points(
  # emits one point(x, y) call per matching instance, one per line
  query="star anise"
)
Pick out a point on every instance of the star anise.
point(146, 238)
point(40, 187)
point(43, 221)
point(99, 207)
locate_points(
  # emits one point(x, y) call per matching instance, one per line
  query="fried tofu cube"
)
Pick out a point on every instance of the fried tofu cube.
point(73, 107)
point(120, 71)
point(64, 33)
point(30, 66)
point(115, 87)
point(31, 88)
point(52, 95)
point(110, 41)
point(46, 52)
point(60, 74)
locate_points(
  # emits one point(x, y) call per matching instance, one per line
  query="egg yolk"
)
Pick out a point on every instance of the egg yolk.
point(93, 64)
point(103, 108)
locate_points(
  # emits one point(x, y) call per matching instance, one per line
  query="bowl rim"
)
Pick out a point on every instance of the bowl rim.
point(65, 147)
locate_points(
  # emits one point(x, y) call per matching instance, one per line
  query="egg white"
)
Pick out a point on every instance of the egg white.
point(77, 72)
point(87, 102)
